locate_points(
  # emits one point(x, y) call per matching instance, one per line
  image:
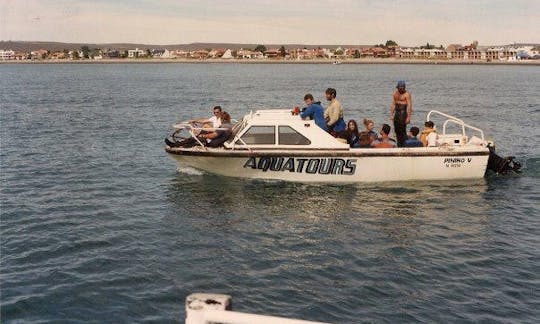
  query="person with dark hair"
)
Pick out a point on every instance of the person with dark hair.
point(365, 140)
point(218, 136)
point(214, 121)
point(384, 140)
point(428, 137)
point(400, 112)
point(412, 141)
point(334, 113)
point(314, 111)
point(351, 134)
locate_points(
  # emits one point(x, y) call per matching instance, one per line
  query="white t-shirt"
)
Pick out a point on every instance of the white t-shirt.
point(215, 121)
point(432, 139)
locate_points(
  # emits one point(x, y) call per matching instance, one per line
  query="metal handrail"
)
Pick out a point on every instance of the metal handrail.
point(190, 128)
point(456, 121)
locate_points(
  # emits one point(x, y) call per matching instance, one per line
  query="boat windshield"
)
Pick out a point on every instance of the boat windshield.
point(238, 127)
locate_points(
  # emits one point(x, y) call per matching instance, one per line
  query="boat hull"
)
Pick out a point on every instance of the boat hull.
point(348, 166)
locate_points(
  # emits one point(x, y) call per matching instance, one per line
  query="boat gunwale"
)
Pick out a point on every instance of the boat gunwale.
point(370, 152)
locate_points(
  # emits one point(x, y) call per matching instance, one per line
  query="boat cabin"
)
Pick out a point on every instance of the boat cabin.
point(280, 129)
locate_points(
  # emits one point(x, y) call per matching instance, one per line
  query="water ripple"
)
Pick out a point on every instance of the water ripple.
point(99, 225)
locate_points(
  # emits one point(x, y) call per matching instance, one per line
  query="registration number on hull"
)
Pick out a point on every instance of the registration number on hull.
point(456, 162)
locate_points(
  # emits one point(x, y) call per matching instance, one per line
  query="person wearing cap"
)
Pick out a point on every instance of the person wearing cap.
point(400, 112)
point(334, 113)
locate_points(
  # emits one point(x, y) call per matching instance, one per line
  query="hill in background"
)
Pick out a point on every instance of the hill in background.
point(23, 46)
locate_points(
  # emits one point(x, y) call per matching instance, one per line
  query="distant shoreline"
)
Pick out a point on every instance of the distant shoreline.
point(271, 61)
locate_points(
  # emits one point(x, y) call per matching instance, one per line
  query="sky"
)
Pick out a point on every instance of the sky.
point(350, 22)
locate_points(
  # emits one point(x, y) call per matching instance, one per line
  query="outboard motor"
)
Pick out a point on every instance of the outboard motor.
point(501, 165)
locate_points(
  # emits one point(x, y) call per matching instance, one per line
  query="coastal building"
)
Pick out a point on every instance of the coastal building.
point(134, 53)
point(247, 54)
point(39, 54)
point(216, 53)
point(181, 53)
point(227, 54)
point(7, 55)
point(157, 53)
point(199, 54)
point(272, 53)
point(374, 52)
point(59, 55)
point(167, 54)
point(112, 54)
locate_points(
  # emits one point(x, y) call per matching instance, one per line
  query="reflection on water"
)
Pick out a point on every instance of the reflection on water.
point(395, 210)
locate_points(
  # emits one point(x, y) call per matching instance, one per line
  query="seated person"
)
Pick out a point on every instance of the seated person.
point(350, 134)
point(369, 126)
point(214, 121)
point(412, 141)
point(313, 111)
point(428, 137)
point(218, 136)
point(365, 140)
point(384, 141)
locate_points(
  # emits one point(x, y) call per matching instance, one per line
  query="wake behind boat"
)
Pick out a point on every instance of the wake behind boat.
point(276, 144)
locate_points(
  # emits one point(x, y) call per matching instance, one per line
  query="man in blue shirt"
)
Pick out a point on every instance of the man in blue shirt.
point(412, 141)
point(314, 111)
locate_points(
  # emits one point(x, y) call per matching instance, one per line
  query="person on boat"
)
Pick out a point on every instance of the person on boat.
point(400, 112)
point(428, 137)
point(365, 140)
point(351, 134)
point(214, 121)
point(314, 111)
point(413, 141)
point(368, 127)
point(384, 140)
point(218, 136)
point(333, 114)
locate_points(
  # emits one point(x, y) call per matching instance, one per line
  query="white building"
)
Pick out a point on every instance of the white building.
point(136, 53)
point(227, 54)
point(7, 55)
point(167, 54)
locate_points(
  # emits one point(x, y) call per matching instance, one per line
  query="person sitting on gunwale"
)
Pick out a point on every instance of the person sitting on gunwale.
point(214, 121)
point(412, 141)
point(384, 141)
point(217, 137)
point(428, 137)
point(314, 111)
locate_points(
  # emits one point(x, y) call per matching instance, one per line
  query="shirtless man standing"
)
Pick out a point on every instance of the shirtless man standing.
point(400, 112)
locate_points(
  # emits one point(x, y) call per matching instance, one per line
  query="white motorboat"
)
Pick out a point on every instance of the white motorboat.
point(276, 144)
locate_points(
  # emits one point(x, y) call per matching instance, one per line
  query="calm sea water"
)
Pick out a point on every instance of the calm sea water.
point(99, 225)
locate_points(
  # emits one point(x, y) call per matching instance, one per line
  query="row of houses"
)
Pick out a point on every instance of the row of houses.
point(461, 53)
point(454, 51)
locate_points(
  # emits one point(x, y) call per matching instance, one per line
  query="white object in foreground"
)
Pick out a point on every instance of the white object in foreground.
point(215, 308)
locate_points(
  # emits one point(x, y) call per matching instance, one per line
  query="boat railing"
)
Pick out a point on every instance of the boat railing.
point(457, 121)
point(195, 131)
point(216, 308)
